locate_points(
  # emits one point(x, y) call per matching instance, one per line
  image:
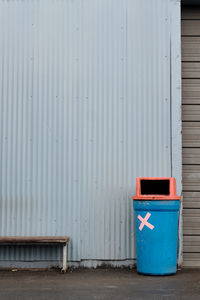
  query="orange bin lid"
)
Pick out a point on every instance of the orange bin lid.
point(156, 188)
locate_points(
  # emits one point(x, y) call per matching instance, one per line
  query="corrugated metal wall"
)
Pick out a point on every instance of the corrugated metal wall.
point(84, 110)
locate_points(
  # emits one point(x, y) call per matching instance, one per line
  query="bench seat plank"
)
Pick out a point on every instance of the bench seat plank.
point(34, 239)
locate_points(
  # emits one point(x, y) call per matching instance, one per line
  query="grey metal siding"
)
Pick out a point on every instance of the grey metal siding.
point(84, 110)
point(190, 91)
point(191, 135)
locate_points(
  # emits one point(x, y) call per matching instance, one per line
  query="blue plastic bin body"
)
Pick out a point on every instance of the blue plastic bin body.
point(156, 247)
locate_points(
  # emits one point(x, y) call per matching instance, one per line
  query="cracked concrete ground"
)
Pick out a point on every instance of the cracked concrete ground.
point(98, 284)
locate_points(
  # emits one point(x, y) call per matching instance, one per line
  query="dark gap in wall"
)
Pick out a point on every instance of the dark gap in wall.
point(155, 187)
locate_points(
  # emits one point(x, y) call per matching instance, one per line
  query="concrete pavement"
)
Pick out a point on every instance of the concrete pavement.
point(109, 284)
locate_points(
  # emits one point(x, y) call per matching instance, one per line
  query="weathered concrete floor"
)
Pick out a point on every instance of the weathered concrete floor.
point(98, 284)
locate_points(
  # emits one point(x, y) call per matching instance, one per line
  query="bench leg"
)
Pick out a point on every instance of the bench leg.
point(64, 268)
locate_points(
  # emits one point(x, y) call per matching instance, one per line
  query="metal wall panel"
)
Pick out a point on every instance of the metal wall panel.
point(191, 123)
point(190, 69)
point(191, 259)
point(191, 48)
point(191, 221)
point(190, 91)
point(191, 113)
point(190, 27)
point(191, 177)
point(194, 241)
point(189, 12)
point(84, 110)
point(191, 156)
point(191, 134)
point(191, 199)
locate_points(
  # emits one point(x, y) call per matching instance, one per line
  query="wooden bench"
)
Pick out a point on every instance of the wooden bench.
point(47, 240)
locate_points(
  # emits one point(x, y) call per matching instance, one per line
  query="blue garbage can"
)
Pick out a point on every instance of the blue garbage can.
point(156, 208)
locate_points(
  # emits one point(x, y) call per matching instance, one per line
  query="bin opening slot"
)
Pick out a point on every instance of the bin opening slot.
point(154, 187)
